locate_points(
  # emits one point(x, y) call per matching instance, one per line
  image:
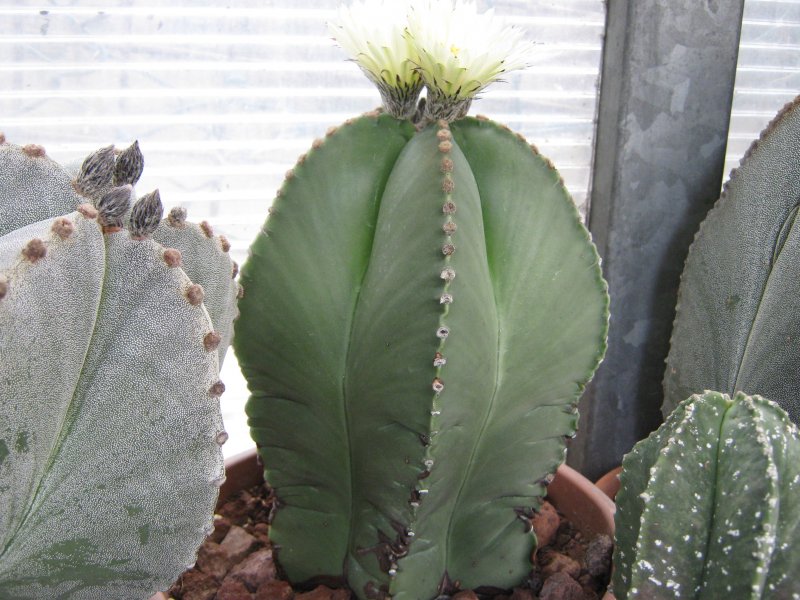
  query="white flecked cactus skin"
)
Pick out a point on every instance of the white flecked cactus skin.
point(109, 387)
point(709, 505)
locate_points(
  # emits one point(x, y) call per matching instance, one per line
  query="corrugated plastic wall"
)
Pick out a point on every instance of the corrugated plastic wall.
point(768, 72)
point(222, 100)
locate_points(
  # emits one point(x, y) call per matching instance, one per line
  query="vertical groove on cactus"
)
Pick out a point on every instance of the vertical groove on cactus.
point(14, 516)
point(349, 480)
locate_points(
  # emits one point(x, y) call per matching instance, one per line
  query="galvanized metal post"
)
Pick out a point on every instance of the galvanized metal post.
point(665, 100)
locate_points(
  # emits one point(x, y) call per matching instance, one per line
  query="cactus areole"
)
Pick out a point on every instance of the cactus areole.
point(421, 313)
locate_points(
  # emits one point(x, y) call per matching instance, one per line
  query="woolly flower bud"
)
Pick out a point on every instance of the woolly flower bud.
point(372, 33)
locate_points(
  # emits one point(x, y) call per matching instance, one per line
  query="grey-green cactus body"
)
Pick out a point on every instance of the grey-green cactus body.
point(709, 505)
point(89, 385)
point(34, 188)
point(420, 314)
point(38, 187)
point(110, 424)
point(737, 326)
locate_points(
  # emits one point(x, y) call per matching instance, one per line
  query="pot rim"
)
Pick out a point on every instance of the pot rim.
point(609, 483)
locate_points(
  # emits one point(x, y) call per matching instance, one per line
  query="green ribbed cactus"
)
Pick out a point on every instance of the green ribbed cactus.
point(738, 317)
point(109, 379)
point(709, 506)
point(422, 310)
point(420, 315)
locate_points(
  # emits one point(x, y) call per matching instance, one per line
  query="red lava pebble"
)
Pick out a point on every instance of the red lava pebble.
point(236, 562)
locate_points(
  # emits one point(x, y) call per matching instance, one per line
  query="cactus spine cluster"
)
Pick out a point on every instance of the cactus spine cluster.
point(110, 428)
point(709, 506)
point(422, 311)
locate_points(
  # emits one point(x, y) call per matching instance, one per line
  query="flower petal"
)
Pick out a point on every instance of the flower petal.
point(460, 51)
point(372, 33)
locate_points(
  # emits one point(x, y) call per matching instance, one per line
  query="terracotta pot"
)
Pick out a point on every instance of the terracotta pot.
point(583, 503)
point(609, 483)
point(571, 493)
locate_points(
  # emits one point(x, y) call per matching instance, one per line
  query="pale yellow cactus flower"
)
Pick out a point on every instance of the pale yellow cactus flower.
point(373, 33)
point(460, 51)
point(447, 45)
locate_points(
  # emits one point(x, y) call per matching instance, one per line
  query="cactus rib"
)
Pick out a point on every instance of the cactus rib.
point(40, 554)
point(41, 188)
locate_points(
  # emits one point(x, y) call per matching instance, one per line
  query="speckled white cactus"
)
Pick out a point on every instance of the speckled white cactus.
point(709, 506)
point(109, 379)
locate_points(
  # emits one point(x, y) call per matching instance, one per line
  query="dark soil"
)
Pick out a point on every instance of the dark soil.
point(236, 562)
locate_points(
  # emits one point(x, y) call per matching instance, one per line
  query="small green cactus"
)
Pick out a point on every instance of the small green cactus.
point(737, 326)
point(710, 504)
point(422, 310)
point(109, 379)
